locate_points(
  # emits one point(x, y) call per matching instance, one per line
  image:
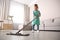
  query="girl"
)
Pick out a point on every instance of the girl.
point(36, 15)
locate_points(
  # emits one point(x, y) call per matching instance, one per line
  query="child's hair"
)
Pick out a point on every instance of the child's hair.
point(36, 5)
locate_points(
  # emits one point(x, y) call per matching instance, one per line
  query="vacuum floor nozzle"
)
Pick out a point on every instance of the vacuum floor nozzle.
point(18, 34)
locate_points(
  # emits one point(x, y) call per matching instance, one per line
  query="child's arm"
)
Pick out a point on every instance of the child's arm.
point(39, 14)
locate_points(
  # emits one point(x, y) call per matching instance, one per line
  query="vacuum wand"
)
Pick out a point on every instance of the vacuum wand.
point(25, 26)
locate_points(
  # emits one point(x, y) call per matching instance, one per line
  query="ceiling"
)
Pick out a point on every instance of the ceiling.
point(28, 2)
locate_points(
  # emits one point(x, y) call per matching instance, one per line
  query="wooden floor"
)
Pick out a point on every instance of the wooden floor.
point(42, 35)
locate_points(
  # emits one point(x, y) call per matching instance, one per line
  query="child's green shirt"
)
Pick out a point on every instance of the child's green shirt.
point(36, 13)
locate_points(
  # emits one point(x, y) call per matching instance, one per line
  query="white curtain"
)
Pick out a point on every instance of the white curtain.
point(17, 11)
point(26, 14)
point(14, 8)
point(4, 9)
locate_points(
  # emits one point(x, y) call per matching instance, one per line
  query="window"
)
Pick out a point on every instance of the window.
point(17, 11)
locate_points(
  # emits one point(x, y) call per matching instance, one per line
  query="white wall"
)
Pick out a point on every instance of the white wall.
point(48, 8)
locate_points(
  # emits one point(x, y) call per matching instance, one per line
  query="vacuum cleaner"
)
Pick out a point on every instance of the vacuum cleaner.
point(20, 34)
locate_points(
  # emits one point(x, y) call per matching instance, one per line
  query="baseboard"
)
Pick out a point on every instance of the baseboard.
point(51, 30)
point(45, 30)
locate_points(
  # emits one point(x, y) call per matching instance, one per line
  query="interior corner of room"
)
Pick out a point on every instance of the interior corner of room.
point(14, 14)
